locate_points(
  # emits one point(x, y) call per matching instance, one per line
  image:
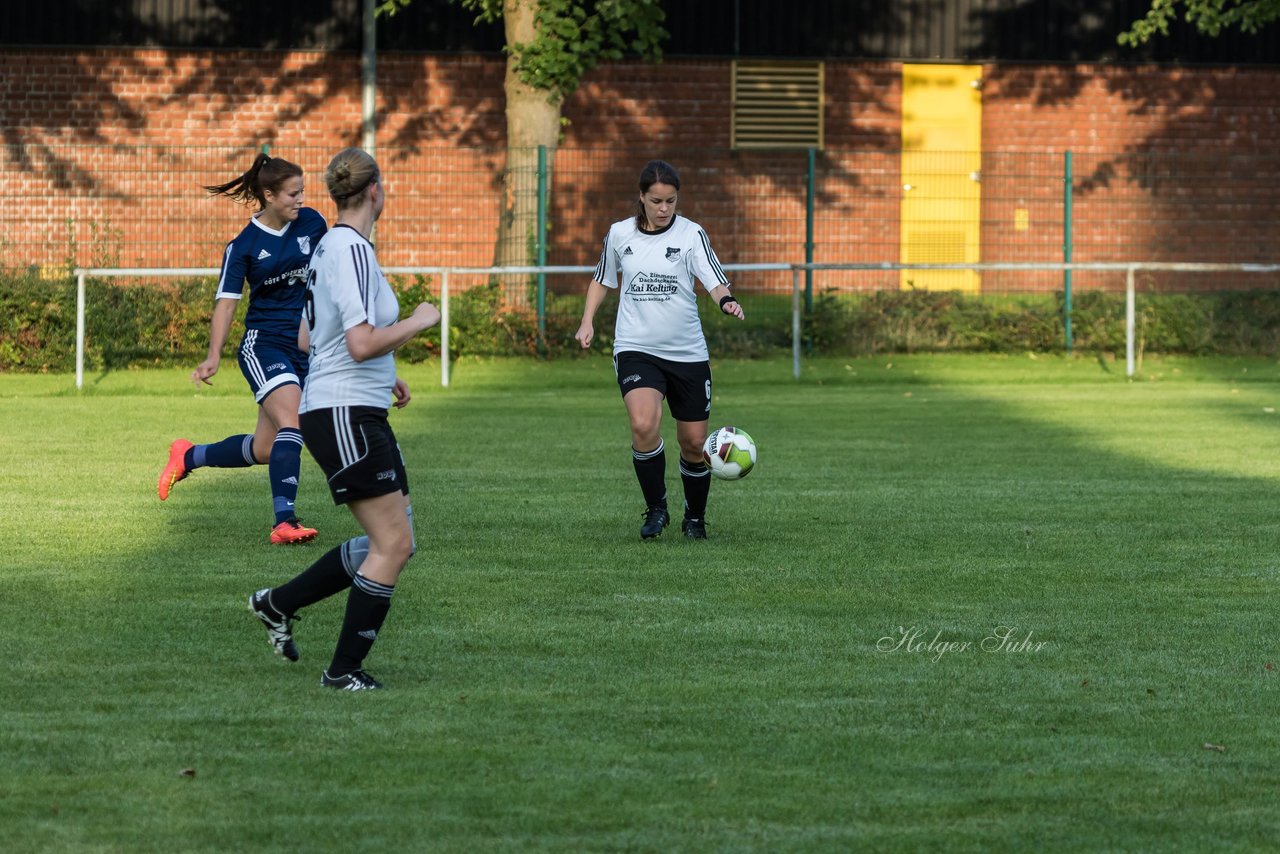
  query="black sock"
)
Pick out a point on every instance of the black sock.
point(367, 606)
point(331, 574)
point(697, 484)
point(651, 471)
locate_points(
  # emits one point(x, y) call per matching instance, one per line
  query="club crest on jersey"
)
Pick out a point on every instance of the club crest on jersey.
point(304, 244)
point(673, 254)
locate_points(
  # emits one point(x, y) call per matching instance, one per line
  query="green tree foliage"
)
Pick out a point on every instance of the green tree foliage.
point(550, 47)
point(572, 36)
point(1210, 17)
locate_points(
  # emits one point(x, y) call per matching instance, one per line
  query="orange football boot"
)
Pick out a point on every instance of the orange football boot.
point(292, 531)
point(176, 469)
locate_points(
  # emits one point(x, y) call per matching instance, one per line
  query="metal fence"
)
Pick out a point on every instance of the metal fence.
point(68, 206)
point(795, 272)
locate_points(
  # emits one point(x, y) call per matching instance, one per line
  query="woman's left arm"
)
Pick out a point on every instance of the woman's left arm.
point(728, 302)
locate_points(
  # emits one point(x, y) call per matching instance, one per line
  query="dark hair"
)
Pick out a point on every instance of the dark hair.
point(266, 173)
point(350, 173)
point(654, 172)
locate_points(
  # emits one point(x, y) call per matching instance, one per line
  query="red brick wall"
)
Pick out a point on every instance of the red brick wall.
point(1169, 164)
point(106, 150)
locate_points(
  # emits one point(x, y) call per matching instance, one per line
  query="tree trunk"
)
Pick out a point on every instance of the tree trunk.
point(533, 119)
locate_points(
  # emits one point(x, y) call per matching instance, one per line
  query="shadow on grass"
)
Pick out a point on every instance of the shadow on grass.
point(1125, 526)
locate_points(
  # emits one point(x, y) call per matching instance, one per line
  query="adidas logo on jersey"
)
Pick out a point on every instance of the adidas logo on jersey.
point(627, 251)
point(263, 254)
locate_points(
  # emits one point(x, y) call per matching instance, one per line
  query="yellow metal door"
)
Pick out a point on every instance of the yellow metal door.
point(941, 174)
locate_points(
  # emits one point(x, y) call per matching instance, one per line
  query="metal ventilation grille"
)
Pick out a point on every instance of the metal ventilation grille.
point(777, 104)
point(935, 247)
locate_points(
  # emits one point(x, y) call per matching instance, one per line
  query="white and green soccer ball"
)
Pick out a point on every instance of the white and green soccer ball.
point(730, 453)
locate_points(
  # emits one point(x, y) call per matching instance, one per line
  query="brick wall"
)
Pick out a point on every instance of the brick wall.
point(106, 151)
point(1169, 164)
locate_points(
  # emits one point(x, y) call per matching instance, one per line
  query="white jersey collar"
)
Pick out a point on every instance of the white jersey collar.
point(280, 233)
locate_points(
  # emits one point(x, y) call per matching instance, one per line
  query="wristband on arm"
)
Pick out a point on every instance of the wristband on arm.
point(727, 298)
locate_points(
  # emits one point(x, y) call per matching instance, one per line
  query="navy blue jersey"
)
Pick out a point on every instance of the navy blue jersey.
point(275, 265)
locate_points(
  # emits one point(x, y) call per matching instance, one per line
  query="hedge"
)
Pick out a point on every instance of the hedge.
point(167, 323)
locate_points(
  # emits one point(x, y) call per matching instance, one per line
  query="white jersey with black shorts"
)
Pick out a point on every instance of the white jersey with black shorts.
point(658, 341)
point(345, 288)
point(344, 403)
point(658, 303)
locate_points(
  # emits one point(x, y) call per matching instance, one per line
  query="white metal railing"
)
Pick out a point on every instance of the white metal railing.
point(1129, 268)
point(443, 272)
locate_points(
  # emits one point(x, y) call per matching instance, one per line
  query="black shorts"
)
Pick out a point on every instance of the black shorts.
point(356, 450)
point(685, 385)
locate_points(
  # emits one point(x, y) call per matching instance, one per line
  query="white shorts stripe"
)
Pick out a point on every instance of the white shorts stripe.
point(251, 359)
point(348, 453)
point(276, 382)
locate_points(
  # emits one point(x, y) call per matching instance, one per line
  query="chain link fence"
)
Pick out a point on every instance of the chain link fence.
point(64, 206)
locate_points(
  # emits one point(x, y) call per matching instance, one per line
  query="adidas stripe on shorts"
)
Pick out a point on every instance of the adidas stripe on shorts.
point(357, 451)
point(267, 363)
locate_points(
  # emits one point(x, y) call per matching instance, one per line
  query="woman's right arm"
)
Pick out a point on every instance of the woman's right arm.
point(596, 293)
point(224, 311)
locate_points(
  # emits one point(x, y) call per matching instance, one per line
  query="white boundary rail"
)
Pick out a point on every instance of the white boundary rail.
point(1130, 269)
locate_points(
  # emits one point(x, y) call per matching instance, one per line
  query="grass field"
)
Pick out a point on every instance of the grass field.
point(828, 672)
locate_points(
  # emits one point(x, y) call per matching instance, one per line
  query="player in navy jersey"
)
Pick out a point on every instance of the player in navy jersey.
point(271, 254)
point(353, 328)
point(659, 351)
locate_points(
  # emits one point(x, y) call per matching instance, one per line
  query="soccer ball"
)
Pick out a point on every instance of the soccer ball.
point(730, 453)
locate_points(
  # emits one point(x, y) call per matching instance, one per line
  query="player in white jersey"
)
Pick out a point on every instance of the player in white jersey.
point(352, 326)
point(270, 254)
point(659, 351)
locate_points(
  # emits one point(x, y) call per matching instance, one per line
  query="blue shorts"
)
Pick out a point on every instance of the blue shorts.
point(268, 364)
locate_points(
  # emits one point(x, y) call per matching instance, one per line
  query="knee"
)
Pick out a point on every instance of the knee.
point(690, 448)
point(385, 562)
point(644, 434)
point(262, 448)
point(401, 548)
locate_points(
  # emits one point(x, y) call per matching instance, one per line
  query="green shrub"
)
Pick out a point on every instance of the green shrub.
point(1232, 323)
point(38, 327)
point(1245, 322)
point(410, 292)
point(167, 323)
